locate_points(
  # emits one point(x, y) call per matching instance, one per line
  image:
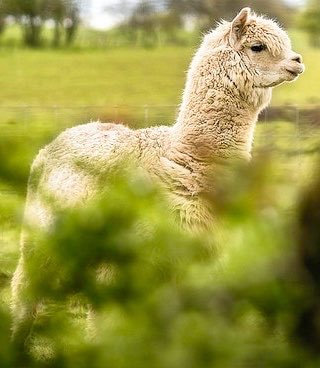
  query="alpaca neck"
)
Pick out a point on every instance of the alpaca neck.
point(217, 120)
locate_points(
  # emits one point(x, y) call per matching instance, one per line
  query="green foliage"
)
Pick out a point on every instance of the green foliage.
point(310, 22)
point(31, 15)
point(165, 298)
point(145, 23)
point(2, 17)
point(169, 15)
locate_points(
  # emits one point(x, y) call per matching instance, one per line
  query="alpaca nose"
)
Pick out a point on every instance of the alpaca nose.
point(297, 58)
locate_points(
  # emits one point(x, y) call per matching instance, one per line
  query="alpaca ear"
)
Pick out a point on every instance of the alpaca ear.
point(238, 24)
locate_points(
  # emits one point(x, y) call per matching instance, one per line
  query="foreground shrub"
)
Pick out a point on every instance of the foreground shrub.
point(118, 284)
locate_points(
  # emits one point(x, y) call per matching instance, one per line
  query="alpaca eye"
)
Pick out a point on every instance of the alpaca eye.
point(258, 48)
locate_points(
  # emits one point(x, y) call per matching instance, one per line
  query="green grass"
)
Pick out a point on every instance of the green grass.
point(75, 79)
point(92, 77)
point(122, 76)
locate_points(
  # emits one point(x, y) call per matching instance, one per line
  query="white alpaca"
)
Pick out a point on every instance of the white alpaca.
point(229, 82)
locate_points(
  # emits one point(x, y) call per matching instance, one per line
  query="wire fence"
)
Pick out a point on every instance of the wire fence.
point(24, 113)
point(137, 115)
point(26, 120)
point(298, 126)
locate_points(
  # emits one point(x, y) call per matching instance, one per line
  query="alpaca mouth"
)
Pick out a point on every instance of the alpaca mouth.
point(295, 71)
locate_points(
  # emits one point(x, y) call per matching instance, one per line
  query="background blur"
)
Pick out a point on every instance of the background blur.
point(65, 62)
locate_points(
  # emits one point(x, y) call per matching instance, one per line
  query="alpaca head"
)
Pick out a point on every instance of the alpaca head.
point(265, 48)
point(252, 52)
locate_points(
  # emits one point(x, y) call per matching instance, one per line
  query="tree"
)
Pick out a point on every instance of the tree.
point(72, 20)
point(310, 22)
point(30, 14)
point(147, 22)
point(143, 20)
point(2, 16)
point(208, 11)
point(65, 14)
point(55, 11)
point(147, 19)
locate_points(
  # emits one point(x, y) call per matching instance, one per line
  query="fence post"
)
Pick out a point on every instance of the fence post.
point(116, 113)
point(146, 114)
point(25, 110)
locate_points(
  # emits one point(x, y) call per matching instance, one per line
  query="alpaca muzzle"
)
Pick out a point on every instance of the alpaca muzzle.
point(295, 70)
point(296, 66)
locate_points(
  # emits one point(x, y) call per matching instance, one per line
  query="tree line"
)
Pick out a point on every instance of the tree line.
point(31, 15)
point(147, 19)
point(147, 22)
point(310, 21)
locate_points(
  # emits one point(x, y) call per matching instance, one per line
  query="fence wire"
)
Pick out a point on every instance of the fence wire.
point(298, 127)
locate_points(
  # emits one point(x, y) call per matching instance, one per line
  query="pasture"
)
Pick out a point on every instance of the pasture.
point(44, 91)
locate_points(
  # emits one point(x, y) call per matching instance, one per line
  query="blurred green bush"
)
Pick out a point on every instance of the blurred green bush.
point(158, 297)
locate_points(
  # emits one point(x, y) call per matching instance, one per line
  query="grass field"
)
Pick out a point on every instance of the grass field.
point(98, 77)
point(121, 76)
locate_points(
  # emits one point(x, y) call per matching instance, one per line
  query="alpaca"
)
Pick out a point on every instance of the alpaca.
point(229, 82)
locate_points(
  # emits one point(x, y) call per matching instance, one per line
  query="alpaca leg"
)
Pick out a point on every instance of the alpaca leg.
point(23, 310)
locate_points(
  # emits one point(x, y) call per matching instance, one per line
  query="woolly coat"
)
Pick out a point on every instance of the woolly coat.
point(216, 123)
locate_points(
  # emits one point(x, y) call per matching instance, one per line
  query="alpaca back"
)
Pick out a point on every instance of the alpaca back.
point(71, 167)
